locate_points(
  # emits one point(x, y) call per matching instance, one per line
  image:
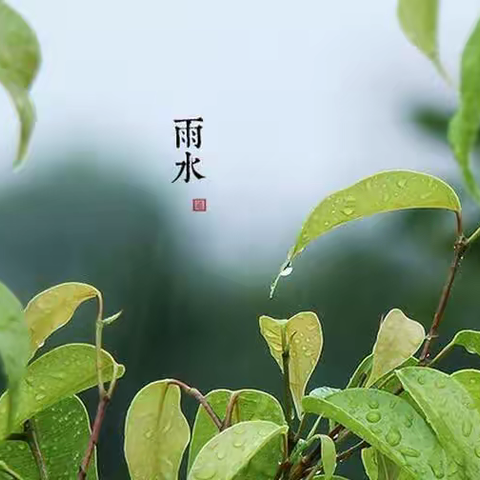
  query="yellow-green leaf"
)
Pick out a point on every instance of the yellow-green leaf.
point(246, 450)
point(19, 63)
point(53, 308)
point(419, 20)
point(379, 467)
point(398, 339)
point(463, 129)
point(384, 192)
point(304, 337)
point(62, 432)
point(14, 346)
point(249, 405)
point(156, 432)
point(60, 373)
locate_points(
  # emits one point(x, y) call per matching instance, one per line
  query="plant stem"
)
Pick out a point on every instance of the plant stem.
point(32, 441)
point(6, 469)
point(227, 422)
point(92, 443)
point(193, 392)
point(460, 247)
point(286, 379)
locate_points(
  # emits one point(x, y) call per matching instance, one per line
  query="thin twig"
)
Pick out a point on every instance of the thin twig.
point(193, 392)
point(460, 247)
point(286, 379)
point(341, 457)
point(6, 469)
point(32, 440)
point(93, 441)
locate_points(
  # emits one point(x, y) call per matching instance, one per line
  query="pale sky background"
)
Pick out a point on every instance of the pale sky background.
point(299, 99)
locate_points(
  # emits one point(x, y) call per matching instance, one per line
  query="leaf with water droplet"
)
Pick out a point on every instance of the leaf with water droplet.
point(76, 361)
point(405, 190)
point(156, 432)
point(463, 128)
point(19, 63)
point(304, 337)
point(444, 403)
point(354, 409)
point(323, 392)
point(419, 19)
point(251, 450)
point(398, 339)
point(53, 308)
point(249, 405)
point(61, 443)
point(14, 347)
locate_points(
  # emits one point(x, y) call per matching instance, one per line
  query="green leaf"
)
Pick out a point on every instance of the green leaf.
point(156, 432)
point(246, 451)
point(419, 20)
point(463, 128)
point(329, 456)
point(450, 411)
point(19, 63)
point(388, 423)
point(384, 192)
point(304, 336)
point(470, 380)
point(398, 339)
point(62, 432)
point(53, 308)
point(323, 477)
point(379, 467)
point(249, 405)
point(8, 473)
point(60, 373)
point(468, 339)
point(14, 346)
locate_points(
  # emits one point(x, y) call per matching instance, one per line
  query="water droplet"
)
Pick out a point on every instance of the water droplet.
point(221, 454)
point(373, 404)
point(239, 430)
point(437, 470)
point(386, 197)
point(39, 397)
point(424, 196)
point(205, 473)
point(467, 428)
point(408, 422)
point(373, 417)
point(348, 211)
point(477, 451)
point(287, 270)
point(401, 183)
point(421, 380)
point(239, 442)
point(409, 452)
point(148, 434)
point(393, 437)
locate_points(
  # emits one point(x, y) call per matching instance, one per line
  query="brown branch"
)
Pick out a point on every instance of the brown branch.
point(460, 248)
point(93, 441)
point(193, 392)
point(32, 440)
point(227, 422)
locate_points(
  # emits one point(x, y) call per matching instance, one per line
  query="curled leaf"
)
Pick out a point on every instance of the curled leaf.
point(304, 337)
point(156, 432)
point(398, 339)
point(329, 456)
point(53, 308)
point(384, 192)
